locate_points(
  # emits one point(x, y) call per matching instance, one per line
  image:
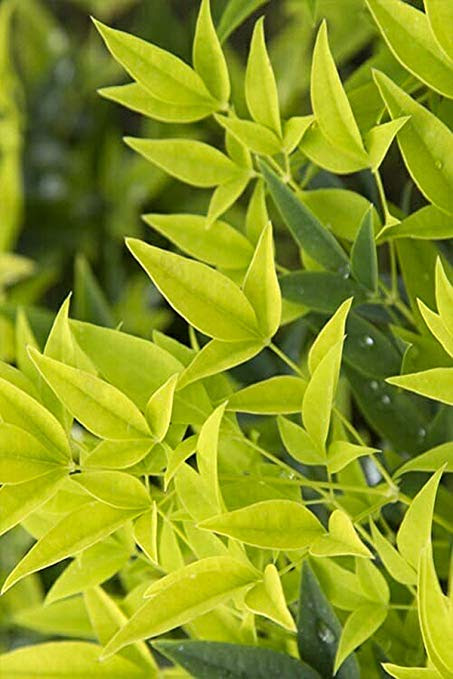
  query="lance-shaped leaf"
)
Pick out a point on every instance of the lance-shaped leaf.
point(332, 332)
point(73, 533)
point(298, 443)
point(207, 299)
point(293, 131)
point(226, 195)
point(272, 524)
point(319, 630)
point(373, 584)
point(330, 103)
point(379, 139)
point(278, 394)
point(117, 454)
point(257, 217)
point(66, 659)
point(411, 672)
point(208, 58)
point(431, 461)
point(360, 626)
point(415, 529)
point(193, 162)
point(21, 410)
point(261, 285)
point(218, 356)
point(341, 539)
point(436, 383)
point(440, 16)
point(217, 660)
point(178, 456)
point(159, 408)
point(222, 245)
point(145, 533)
point(254, 136)
point(322, 152)
point(207, 449)
point(305, 228)
point(398, 567)
point(22, 456)
point(260, 87)
point(61, 344)
point(234, 14)
point(437, 327)
point(364, 265)
point(408, 35)
point(165, 76)
point(321, 291)
point(341, 453)
point(99, 406)
point(177, 598)
point(116, 489)
point(426, 144)
point(267, 598)
point(427, 223)
point(444, 296)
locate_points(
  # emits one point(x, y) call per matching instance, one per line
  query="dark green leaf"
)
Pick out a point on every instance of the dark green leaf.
point(234, 14)
point(319, 290)
point(369, 350)
point(89, 300)
point(363, 254)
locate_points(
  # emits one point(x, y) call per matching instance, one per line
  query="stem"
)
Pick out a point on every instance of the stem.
point(380, 187)
point(281, 354)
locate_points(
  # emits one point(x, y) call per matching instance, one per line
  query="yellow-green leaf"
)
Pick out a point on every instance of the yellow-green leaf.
point(398, 567)
point(257, 216)
point(359, 627)
point(217, 356)
point(159, 408)
point(298, 443)
point(293, 131)
point(379, 139)
point(278, 394)
point(332, 332)
point(117, 454)
point(22, 456)
point(208, 58)
point(342, 539)
point(436, 383)
point(440, 16)
point(341, 453)
point(260, 86)
point(444, 296)
point(267, 598)
point(116, 489)
point(256, 137)
point(207, 447)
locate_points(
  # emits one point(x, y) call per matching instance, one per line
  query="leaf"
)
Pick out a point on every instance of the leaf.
point(360, 626)
point(90, 303)
point(165, 76)
point(278, 394)
point(66, 659)
point(415, 529)
point(407, 33)
point(398, 568)
point(99, 406)
point(306, 230)
point(373, 584)
point(208, 58)
point(145, 533)
point(22, 456)
point(330, 103)
point(323, 153)
point(431, 461)
point(272, 524)
point(293, 131)
point(342, 453)
point(427, 223)
point(216, 660)
point(159, 408)
point(216, 357)
point(364, 265)
point(319, 630)
point(256, 137)
point(21, 410)
point(436, 383)
point(379, 139)
point(261, 285)
point(444, 296)
point(176, 457)
point(117, 454)
point(207, 452)
point(73, 533)
point(332, 332)
point(207, 299)
point(411, 672)
point(342, 539)
point(321, 291)
point(61, 344)
point(63, 618)
point(20, 500)
point(234, 14)
point(116, 489)
point(440, 16)
point(221, 245)
point(260, 87)
point(298, 443)
point(425, 143)
point(177, 598)
point(257, 217)
point(193, 162)
point(226, 195)
point(267, 598)
point(437, 327)
point(139, 99)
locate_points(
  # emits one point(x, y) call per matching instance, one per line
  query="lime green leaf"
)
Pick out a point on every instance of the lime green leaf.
point(22, 456)
point(193, 162)
point(398, 568)
point(323, 153)
point(165, 76)
point(207, 446)
point(63, 618)
point(415, 529)
point(364, 265)
point(427, 223)
point(221, 245)
point(207, 299)
point(99, 406)
point(193, 493)
point(254, 136)
point(272, 524)
point(436, 383)
point(18, 379)
point(267, 598)
point(208, 58)
point(411, 672)
point(434, 614)
point(20, 500)
point(159, 408)
point(379, 139)
point(139, 99)
point(330, 104)
point(237, 151)
point(440, 16)
point(359, 627)
point(293, 131)
point(444, 296)
point(93, 566)
point(341, 585)
point(170, 554)
point(278, 394)
point(218, 356)
point(319, 629)
point(181, 596)
point(257, 216)
point(342, 453)
point(425, 142)
point(226, 195)
point(145, 533)
point(177, 456)
point(306, 230)
point(298, 443)
point(106, 619)
point(217, 660)
point(73, 533)
point(332, 332)
point(260, 86)
point(66, 659)
point(437, 327)
point(431, 461)
point(61, 344)
point(234, 14)
point(261, 285)
point(408, 35)
point(342, 539)
point(116, 489)
point(373, 584)
point(117, 454)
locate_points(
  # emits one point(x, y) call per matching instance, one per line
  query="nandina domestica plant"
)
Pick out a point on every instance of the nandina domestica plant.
point(297, 524)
